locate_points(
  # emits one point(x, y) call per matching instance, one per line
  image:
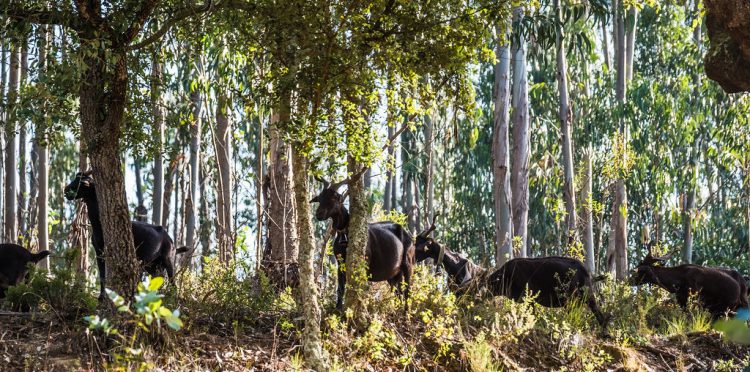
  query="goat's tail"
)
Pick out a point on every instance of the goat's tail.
point(36, 257)
point(182, 249)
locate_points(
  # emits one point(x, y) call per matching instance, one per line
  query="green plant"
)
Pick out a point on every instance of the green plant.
point(479, 354)
point(60, 291)
point(143, 317)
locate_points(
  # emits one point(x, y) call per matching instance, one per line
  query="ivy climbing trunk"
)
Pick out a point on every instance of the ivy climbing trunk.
point(521, 151)
point(308, 287)
point(355, 296)
point(501, 152)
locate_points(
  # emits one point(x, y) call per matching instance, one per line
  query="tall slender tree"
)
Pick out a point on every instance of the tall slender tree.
point(501, 151)
point(521, 151)
point(11, 147)
point(158, 132)
point(192, 199)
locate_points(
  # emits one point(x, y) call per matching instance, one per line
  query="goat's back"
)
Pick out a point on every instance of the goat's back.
point(551, 278)
point(716, 288)
point(151, 241)
point(389, 246)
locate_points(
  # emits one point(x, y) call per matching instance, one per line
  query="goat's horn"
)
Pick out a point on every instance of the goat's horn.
point(323, 181)
point(431, 228)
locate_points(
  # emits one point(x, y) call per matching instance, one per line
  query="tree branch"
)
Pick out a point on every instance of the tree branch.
point(140, 18)
point(189, 12)
point(22, 11)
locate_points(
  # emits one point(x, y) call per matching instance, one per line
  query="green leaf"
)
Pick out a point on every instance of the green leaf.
point(156, 283)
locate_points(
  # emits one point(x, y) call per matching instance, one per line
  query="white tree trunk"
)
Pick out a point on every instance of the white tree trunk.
point(521, 140)
point(11, 149)
point(43, 159)
point(193, 197)
point(632, 22)
point(565, 116)
point(158, 115)
point(23, 185)
point(501, 152)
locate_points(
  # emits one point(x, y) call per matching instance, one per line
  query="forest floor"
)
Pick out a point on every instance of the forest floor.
point(232, 325)
point(42, 342)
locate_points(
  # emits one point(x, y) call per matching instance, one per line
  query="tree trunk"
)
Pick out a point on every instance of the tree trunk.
point(103, 94)
point(282, 248)
point(193, 198)
point(308, 288)
point(605, 43)
point(137, 169)
point(204, 231)
point(223, 148)
point(501, 153)
point(23, 185)
point(617, 252)
point(355, 296)
point(632, 22)
point(158, 131)
point(407, 176)
point(687, 249)
point(429, 187)
point(11, 149)
point(259, 194)
point(42, 151)
point(566, 118)
point(587, 219)
point(521, 141)
point(387, 203)
point(3, 122)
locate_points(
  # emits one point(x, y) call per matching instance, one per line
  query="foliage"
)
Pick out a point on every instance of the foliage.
point(61, 291)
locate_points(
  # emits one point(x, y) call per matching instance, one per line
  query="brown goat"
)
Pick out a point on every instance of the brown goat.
point(717, 289)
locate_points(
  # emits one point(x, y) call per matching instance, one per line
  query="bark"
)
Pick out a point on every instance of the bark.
point(587, 219)
point(408, 178)
point(11, 149)
point(223, 147)
point(429, 181)
point(42, 151)
point(632, 22)
point(158, 133)
point(282, 249)
point(605, 43)
point(23, 186)
point(521, 151)
point(203, 214)
point(727, 60)
point(193, 198)
point(138, 183)
point(355, 296)
point(689, 208)
point(101, 126)
point(387, 201)
point(501, 153)
point(259, 194)
point(312, 347)
point(3, 121)
point(566, 119)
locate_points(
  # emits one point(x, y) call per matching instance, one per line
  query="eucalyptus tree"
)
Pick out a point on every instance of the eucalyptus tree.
point(11, 146)
point(501, 172)
point(521, 131)
point(107, 35)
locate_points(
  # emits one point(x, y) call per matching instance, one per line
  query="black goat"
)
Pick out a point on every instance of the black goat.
point(553, 280)
point(718, 290)
point(154, 247)
point(389, 251)
point(461, 271)
point(13, 264)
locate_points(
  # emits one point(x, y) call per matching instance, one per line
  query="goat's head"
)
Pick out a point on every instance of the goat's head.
point(331, 202)
point(81, 186)
point(427, 247)
point(644, 271)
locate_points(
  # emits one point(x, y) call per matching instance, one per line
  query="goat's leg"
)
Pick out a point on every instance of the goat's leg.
point(341, 286)
point(102, 275)
point(408, 270)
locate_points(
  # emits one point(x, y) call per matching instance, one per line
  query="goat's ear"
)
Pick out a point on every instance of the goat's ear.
point(315, 200)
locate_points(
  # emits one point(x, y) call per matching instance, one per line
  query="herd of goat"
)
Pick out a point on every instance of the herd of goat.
point(392, 253)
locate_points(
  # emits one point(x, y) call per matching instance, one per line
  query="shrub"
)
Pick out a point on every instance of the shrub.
point(62, 292)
